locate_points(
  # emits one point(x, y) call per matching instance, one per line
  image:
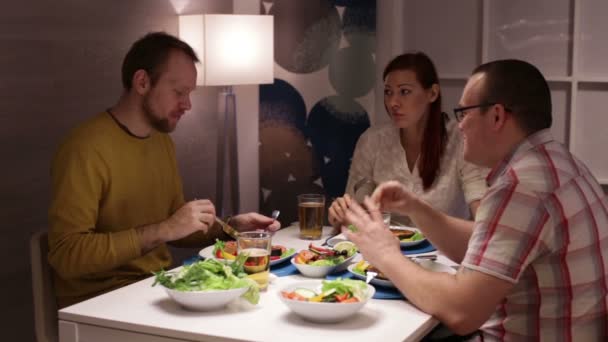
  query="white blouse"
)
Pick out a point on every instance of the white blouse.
point(380, 157)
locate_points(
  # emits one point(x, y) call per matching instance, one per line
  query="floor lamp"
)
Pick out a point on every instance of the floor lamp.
point(233, 50)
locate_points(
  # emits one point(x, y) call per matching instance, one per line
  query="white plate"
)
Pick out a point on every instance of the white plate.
point(408, 243)
point(207, 253)
point(341, 237)
point(280, 260)
point(428, 264)
point(375, 281)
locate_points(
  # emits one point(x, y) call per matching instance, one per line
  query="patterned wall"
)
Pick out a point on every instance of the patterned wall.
point(313, 114)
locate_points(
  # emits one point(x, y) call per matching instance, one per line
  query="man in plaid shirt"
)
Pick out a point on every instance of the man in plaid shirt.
point(534, 262)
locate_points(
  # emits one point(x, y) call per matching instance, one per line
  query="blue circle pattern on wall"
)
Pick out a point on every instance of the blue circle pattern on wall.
point(334, 133)
point(282, 105)
point(349, 3)
point(287, 164)
point(359, 25)
point(311, 152)
point(351, 72)
point(306, 34)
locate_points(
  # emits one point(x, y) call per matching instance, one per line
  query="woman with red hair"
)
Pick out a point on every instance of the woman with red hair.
point(421, 147)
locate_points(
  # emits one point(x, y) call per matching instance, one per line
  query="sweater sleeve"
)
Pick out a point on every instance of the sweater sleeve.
point(178, 200)
point(76, 249)
point(201, 240)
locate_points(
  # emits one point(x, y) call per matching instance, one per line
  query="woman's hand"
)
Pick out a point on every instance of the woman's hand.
point(338, 209)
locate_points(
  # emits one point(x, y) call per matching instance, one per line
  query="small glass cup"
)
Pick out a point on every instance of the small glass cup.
point(257, 245)
point(310, 213)
point(386, 217)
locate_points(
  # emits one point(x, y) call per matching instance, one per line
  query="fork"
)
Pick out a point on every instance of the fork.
point(275, 214)
point(326, 242)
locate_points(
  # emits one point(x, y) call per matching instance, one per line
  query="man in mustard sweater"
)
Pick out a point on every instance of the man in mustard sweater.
point(117, 194)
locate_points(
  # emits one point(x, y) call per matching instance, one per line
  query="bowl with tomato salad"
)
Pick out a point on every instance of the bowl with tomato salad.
point(326, 301)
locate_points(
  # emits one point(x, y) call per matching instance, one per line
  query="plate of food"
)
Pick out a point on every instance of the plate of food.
point(360, 269)
point(317, 262)
point(227, 251)
point(408, 236)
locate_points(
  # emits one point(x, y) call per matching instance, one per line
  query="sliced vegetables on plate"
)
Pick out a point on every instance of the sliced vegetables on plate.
point(320, 256)
point(227, 250)
point(332, 291)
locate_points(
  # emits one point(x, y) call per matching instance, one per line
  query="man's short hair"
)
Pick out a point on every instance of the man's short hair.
point(150, 53)
point(520, 87)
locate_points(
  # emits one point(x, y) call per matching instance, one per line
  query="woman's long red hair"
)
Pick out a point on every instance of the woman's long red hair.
point(435, 135)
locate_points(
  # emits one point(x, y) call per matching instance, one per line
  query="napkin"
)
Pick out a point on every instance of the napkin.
point(283, 269)
point(191, 260)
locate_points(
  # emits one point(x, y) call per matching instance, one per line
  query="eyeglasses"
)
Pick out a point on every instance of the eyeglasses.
point(460, 112)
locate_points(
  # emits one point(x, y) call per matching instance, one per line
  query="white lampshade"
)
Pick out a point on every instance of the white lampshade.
point(233, 49)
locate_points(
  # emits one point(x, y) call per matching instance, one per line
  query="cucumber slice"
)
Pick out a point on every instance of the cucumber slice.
point(328, 292)
point(306, 293)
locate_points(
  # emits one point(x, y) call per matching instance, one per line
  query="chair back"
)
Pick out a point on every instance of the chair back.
point(45, 304)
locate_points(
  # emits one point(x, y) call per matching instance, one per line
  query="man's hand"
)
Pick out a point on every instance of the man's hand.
point(337, 210)
point(394, 197)
point(191, 217)
point(253, 221)
point(374, 240)
point(197, 215)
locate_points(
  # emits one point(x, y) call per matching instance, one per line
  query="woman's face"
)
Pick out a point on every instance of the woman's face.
point(406, 101)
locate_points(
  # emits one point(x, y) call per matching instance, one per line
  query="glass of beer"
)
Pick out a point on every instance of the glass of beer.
point(257, 246)
point(310, 213)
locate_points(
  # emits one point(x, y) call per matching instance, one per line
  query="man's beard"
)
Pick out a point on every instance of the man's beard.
point(160, 124)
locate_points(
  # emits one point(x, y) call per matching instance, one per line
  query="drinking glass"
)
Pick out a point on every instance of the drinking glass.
point(257, 245)
point(310, 213)
point(386, 218)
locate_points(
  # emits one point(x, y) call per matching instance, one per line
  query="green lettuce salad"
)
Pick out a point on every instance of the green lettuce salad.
point(351, 287)
point(211, 274)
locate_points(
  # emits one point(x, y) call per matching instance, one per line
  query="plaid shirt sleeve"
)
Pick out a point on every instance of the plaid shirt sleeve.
point(510, 229)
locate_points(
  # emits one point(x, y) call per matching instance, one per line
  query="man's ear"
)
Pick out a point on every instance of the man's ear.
point(499, 116)
point(141, 82)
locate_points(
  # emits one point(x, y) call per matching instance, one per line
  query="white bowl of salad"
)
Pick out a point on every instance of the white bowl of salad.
point(326, 301)
point(317, 262)
point(209, 284)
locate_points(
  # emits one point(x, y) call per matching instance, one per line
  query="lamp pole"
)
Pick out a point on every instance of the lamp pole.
point(227, 180)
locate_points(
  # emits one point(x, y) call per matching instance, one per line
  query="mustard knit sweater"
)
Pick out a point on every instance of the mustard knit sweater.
point(105, 183)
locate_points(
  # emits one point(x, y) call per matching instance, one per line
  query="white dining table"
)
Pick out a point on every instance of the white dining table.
point(140, 312)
